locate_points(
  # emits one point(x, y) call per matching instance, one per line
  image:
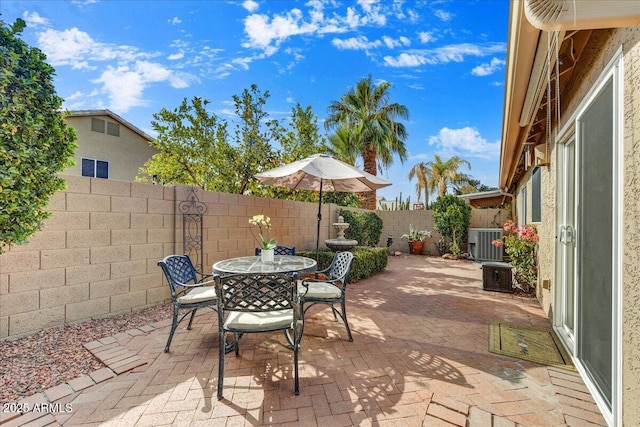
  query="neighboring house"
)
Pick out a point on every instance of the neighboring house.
point(573, 164)
point(108, 146)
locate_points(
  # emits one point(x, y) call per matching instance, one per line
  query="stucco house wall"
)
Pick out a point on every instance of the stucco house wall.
point(126, 153)
point(601, 49)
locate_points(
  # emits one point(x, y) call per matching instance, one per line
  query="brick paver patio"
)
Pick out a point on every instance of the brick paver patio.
point(419, 358)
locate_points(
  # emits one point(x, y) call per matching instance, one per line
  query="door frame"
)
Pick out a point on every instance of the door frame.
point(615, 71)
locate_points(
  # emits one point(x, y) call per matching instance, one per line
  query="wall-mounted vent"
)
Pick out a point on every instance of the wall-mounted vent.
point(113, 129)
point(97, 125)
point(480, 247)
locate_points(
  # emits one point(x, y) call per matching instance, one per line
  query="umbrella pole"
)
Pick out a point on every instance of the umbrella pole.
point(319, 219)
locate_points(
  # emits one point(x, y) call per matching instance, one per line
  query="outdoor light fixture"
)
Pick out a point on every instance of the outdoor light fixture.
point(389, 240)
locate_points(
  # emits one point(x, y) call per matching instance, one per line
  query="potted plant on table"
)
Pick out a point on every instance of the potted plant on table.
point(415, 238)
point(266, 244)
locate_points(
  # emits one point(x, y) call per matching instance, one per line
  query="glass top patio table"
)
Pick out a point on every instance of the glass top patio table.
point(254, 264)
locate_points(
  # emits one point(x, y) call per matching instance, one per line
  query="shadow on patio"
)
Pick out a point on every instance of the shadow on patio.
point(419, 357)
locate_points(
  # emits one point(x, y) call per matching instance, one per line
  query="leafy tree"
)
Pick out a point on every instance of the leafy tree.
point(451, 216)
point(424, 176)
point(445, 173)
point(35, 142)
point(368, 114)
point(192, 147)
point(254, 153)
point(472, 186)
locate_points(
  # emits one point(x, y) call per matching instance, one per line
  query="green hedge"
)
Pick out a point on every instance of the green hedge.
point(368, 261)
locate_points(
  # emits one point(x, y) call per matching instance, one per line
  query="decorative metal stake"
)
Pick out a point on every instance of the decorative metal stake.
point(192, 210)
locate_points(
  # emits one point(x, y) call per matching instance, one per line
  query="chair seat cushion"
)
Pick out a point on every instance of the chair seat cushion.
point(265, 320)
point(319, 290)
point(195, 295)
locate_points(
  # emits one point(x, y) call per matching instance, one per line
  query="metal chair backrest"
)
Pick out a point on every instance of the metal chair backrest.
point(257, 292)
point(179, 270)
point(280, 250)
point(340, 267)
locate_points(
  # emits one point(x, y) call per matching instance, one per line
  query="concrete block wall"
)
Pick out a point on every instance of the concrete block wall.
point(97, 254)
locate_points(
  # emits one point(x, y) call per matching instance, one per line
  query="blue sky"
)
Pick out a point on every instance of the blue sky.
point(445, 59)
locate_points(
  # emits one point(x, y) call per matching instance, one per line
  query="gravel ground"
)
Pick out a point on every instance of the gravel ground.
point(54, 356)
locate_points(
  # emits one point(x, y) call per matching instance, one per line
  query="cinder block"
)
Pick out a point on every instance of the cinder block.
point(110, 187)
point(37, 279)
point(11, 261)
point(4, 327)
point(108, 288)
point(161, 206)
point(219, 210)
point(260, 202)
point(227, 245)
point(128, 237)
point(49, 239)
point(88, 238)
point(229, 222)
point(67, 221)
point(65, 295)
point(88, 203)
point(110, 220)
point(151, 250)
point(146, 221)
point(64, 258)
point(169, 193)
point(84, 310)
point(209, 197)
point(120, 303)
point(128, 204)
point(228, 199)
point(157, 296)
point(33, 321)
point(128, 268)
point(19, 302)
point(88, 273)
point(147, 281)
point(57, 202)
point(77, 184)
point(4, 284)
point(110, 254)
point(238, 211)
point(160, 235)
point(146, 191)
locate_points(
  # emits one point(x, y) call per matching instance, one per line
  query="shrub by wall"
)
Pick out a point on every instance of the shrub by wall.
point(368, 261)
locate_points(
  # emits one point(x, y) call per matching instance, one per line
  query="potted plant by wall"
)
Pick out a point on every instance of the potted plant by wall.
point(415, 238)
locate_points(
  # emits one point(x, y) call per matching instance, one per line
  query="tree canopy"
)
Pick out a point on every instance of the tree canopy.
point(35, 141)
point(367, 123)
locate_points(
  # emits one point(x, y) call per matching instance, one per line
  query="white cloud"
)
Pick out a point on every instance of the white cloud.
point(356, 43)
point(268, 34)
point(125, 84)
point(250, 5)
point(464, 142)
point(426, 36)
point(443, 15)
point(488, 69)
point(392, 43)
point(34, 20)
point(442, 55)
point(176, 56)
point(175, 21)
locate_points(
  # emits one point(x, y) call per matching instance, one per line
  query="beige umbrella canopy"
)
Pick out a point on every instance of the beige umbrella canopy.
point(321, 172)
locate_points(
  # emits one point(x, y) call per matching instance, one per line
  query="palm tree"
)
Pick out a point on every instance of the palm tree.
point(371, 118)
point(423, 173)
point(445, 174)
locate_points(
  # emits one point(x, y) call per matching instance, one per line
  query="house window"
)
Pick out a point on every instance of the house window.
point(113, 129)
point(536, 196)
point(97, 125)
point(522, 202)
point(95, 168)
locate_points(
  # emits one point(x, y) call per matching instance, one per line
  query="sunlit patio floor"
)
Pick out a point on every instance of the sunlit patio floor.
point(419, 358)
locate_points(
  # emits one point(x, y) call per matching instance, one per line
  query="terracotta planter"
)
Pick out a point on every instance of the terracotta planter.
point(415, 248)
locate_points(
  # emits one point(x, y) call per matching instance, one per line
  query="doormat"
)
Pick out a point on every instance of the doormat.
point(525, 342)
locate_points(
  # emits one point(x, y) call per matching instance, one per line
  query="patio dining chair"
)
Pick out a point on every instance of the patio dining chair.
point(252, 303)
point(279, 250)
point(330, 287)
point(189, 290)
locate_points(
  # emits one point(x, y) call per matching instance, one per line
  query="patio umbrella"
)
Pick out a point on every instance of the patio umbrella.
point(321, 172)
